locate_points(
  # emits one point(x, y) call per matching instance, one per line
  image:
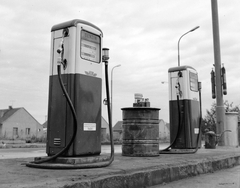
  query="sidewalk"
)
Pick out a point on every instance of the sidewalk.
point(124, 172)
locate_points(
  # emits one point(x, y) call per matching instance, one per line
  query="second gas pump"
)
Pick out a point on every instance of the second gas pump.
point(184, 110)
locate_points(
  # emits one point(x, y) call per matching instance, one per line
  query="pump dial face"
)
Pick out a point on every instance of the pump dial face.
point(90, 46)
point(193, 78)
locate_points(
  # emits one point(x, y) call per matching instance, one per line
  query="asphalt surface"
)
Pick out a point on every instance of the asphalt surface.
point(227, 178)
point(26, 152)
point(124, 172)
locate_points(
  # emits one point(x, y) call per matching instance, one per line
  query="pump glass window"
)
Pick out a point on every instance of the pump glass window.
point(193, 81)
point(90, 46)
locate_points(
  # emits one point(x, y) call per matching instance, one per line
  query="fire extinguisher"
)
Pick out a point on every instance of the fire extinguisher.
point(213, 84)
point(224, 81)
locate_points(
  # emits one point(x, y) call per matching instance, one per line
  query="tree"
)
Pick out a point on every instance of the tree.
point(209, 121)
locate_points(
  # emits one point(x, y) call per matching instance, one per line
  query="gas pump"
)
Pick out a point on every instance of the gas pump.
point(82, 77)
point(184, 108)
point(75, 93)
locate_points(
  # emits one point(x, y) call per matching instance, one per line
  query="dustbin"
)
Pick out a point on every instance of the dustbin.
point(231, 123)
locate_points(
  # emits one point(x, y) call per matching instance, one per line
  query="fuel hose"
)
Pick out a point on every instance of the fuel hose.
point(45, 163)
point(179, 129)
point(180, 125)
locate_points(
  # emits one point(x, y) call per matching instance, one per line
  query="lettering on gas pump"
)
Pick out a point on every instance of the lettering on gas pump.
point(90, 73)
point(89, 126)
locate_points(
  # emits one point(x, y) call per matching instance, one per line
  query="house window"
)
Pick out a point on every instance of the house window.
point(27, 131)
point(15, 131)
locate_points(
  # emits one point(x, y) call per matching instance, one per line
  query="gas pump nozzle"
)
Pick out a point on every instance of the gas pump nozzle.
point(60, 50)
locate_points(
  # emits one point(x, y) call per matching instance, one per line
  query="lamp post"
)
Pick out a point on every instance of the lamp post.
point(180, 39)
point(220, 110)
point(112, 85)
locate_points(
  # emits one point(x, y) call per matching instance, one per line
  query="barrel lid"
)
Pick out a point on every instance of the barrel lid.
point(140, 108)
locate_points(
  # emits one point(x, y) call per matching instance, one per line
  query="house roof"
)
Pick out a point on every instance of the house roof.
point(45, 124)
point(104, 123)
point(168, 126)
point(118, 126)
point(6, 113)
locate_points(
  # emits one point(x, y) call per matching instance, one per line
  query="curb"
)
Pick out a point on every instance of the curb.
point(159, 175)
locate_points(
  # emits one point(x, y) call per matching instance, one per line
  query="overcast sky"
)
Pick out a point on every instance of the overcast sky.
point(142, 36)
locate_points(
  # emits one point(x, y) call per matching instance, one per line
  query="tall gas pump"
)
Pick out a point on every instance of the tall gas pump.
point(184, 107)
point(75, 94)
point(80, 42)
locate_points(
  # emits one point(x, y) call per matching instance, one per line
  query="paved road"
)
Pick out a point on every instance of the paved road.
point(11, 153)
point(227, 178)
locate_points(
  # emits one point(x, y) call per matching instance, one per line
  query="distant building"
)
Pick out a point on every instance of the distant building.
point(164, 131)
point(104, 130)
point(44, 125)
point(117, 131)
point(18, 123)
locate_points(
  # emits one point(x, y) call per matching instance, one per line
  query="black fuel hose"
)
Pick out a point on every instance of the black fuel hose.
point(39, 163)
point(166, 150)
point(179, 128)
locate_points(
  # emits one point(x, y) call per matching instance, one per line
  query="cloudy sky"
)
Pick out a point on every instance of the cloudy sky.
point(142, 36)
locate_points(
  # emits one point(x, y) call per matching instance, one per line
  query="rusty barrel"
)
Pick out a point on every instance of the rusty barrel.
point(140, 136)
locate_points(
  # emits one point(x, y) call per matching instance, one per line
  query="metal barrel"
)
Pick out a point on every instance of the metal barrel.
point(140, 136)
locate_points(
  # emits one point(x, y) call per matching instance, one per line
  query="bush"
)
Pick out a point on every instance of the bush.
point(34, 139)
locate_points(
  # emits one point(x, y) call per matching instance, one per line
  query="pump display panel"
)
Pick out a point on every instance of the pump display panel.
point(193, 78)
point(90, 46)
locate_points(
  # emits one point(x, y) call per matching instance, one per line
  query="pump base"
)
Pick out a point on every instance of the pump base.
point(77, 160)
point(182, 150)
point(178, 151)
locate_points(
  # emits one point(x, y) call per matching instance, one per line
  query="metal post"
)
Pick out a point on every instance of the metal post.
point(220, 111)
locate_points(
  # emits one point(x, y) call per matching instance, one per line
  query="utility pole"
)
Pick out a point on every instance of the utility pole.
point(220, 111)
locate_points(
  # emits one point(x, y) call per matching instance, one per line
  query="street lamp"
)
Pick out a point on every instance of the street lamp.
point(180, 39)
point(112, 84)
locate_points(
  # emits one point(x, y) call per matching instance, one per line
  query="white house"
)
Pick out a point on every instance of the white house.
point(18, 123)
point(164, 132)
